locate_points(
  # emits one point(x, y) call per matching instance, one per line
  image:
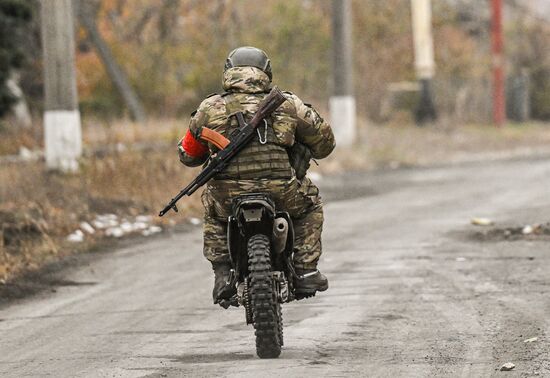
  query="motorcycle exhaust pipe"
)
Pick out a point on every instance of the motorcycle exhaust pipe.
point(280, 234)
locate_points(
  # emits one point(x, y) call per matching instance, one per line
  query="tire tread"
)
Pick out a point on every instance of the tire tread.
point(265, 307)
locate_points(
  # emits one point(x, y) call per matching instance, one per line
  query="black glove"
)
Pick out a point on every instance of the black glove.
point(300, 157)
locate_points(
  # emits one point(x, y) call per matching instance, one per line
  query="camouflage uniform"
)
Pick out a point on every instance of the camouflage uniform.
point(262, 167)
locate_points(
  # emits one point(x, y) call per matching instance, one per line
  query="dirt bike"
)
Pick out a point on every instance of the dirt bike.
point(261, 243)
point(260, 239)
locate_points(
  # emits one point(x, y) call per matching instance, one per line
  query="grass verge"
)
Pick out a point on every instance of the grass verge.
point(39, 209)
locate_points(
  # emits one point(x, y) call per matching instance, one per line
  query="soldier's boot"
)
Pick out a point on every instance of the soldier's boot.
point(224, 288)
point(309, 282)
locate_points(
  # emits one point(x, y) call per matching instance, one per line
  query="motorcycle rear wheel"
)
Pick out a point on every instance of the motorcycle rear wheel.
point(266, 310)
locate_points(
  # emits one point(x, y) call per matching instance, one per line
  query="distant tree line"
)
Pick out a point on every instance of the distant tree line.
point(172, 51)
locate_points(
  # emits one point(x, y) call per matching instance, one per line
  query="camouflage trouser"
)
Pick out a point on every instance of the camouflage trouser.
point(300, 198)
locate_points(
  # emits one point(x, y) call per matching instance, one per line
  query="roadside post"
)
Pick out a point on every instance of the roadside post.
point(62, 129)
point(424, 58)
point(342, 101)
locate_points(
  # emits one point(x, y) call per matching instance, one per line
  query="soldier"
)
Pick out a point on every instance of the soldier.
point(275, 162)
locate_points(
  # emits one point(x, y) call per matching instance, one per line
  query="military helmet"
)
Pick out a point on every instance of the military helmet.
point(248, 56)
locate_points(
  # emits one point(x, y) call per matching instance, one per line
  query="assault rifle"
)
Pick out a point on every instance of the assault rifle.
point(229, 148)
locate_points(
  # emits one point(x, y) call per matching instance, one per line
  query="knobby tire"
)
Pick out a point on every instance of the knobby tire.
point(266, 309)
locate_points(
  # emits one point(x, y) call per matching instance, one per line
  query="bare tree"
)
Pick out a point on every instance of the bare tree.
point(87, 11)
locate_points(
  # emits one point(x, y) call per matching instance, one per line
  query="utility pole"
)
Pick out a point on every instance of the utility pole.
point(424, 58)
point(497, 42)
point(342, 101)
point(62, 131)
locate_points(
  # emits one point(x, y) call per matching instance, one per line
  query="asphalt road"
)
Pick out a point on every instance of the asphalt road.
point(415, 291)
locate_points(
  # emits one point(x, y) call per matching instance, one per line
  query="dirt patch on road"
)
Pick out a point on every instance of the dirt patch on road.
point(498, 234)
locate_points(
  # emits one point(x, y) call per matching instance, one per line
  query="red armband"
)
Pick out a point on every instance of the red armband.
point(193, 147)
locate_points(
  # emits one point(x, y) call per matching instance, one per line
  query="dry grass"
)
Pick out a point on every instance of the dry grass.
point(99, 133)
point(38, 209)
point(12, 138)
point(393, 146)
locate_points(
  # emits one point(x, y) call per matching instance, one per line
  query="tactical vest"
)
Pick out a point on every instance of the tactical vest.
point(263, 157)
